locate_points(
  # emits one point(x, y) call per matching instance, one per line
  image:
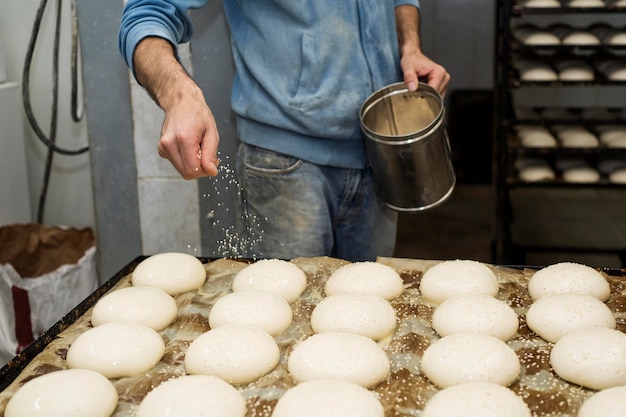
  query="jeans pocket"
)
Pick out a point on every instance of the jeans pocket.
point(264, 161)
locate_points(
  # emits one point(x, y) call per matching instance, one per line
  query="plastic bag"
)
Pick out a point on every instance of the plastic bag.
point(44, 273)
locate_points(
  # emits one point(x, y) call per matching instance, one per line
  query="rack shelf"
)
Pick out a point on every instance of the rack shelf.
point(509, 114)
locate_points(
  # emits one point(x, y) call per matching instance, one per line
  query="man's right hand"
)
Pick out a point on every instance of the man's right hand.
point(189, 137)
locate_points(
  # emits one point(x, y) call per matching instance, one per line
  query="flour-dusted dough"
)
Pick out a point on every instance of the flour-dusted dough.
point(476, 313)
point(553, 316)
point(365, 278)
point(341, 356)
point(470, 357)
point(67, 393)
point(237, 354)
point(149, 306)
point(608, 402)
point(367, 315)
point(449, 278)
point(580, 37)
point(193, 395)
point(262, 309)
point(279, 277)
point(117, 349)
point(594, 358)
point(328, 398)
point(172, 272)
point(568, 277)
point(478, 399)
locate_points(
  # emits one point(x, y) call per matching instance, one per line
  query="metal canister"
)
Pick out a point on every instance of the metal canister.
point(408, 147)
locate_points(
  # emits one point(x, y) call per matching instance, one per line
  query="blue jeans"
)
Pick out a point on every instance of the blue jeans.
point(291, 208)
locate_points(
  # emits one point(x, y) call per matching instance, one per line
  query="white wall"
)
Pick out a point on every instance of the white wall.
point(70, 197)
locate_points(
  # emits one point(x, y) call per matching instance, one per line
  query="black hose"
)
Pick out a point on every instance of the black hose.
point(50, 142)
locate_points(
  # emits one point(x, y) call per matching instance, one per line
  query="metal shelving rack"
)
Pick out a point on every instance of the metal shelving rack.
point(506, 148)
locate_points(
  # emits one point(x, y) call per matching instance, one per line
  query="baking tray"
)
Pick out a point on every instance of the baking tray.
point(10, 371)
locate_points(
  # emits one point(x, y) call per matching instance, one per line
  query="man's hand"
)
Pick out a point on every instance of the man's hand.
point(189, 137)
point(414, 63)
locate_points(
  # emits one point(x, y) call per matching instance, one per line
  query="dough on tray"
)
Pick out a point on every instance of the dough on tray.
point(117, 349)
point(328, 398)
point(279, 277)
point(462, 276)
point(193, 395)
point(470, 357)
point(343, 356)
point(67, 393)
point(235, 353)
point(553, 316)
point(477, 399)
point(371, 278)
point(568, 277)
point(367, 315)
point(261, 309)
point(145, 305)
point(172, 272)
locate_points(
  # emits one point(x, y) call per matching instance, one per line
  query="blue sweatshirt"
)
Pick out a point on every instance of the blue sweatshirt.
point(303, 67)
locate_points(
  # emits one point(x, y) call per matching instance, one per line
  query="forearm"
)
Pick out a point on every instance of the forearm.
point(158, 70)
point(408, 29)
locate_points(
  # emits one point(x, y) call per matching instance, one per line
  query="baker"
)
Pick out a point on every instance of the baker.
point(303, 68)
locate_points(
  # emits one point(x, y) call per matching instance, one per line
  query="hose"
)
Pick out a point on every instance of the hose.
point(50, 141)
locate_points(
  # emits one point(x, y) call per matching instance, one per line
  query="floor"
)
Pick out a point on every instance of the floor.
point(592, 223)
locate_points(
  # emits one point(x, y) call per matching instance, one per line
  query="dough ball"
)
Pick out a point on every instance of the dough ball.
point(618, 176)
point(272, 275)
point(449, 278)
point(610, 135)
point(576, 137)
point(542, 3)
point(584, 175)
point(193, 395)
point(574, 70)
point(171, 272)
point(529, 34)
point(328, 398)
point(568, 277)
point(553, 316)
point(536, 71)
point(367, 315)
point(149, 306)
point(476, 313)
point(479, 399)
point(262, 309)
point(117, 349)
point(343, 356)
point(536, 137)
point(581, 37)
point(593, 358)
point(586, 3)
point(608, 402)
point(235, 353)
point(536, 173)
point(371, 278)
point(67, 393)
point(470, 357)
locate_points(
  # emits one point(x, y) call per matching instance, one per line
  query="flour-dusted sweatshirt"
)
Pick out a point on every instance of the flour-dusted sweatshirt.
point(303, 67)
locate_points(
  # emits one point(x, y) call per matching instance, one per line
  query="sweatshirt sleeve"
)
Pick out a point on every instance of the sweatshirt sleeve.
point(168, 19)
point(415, 3)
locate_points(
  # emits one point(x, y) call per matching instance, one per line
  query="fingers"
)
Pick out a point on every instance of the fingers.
point(193, 156)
